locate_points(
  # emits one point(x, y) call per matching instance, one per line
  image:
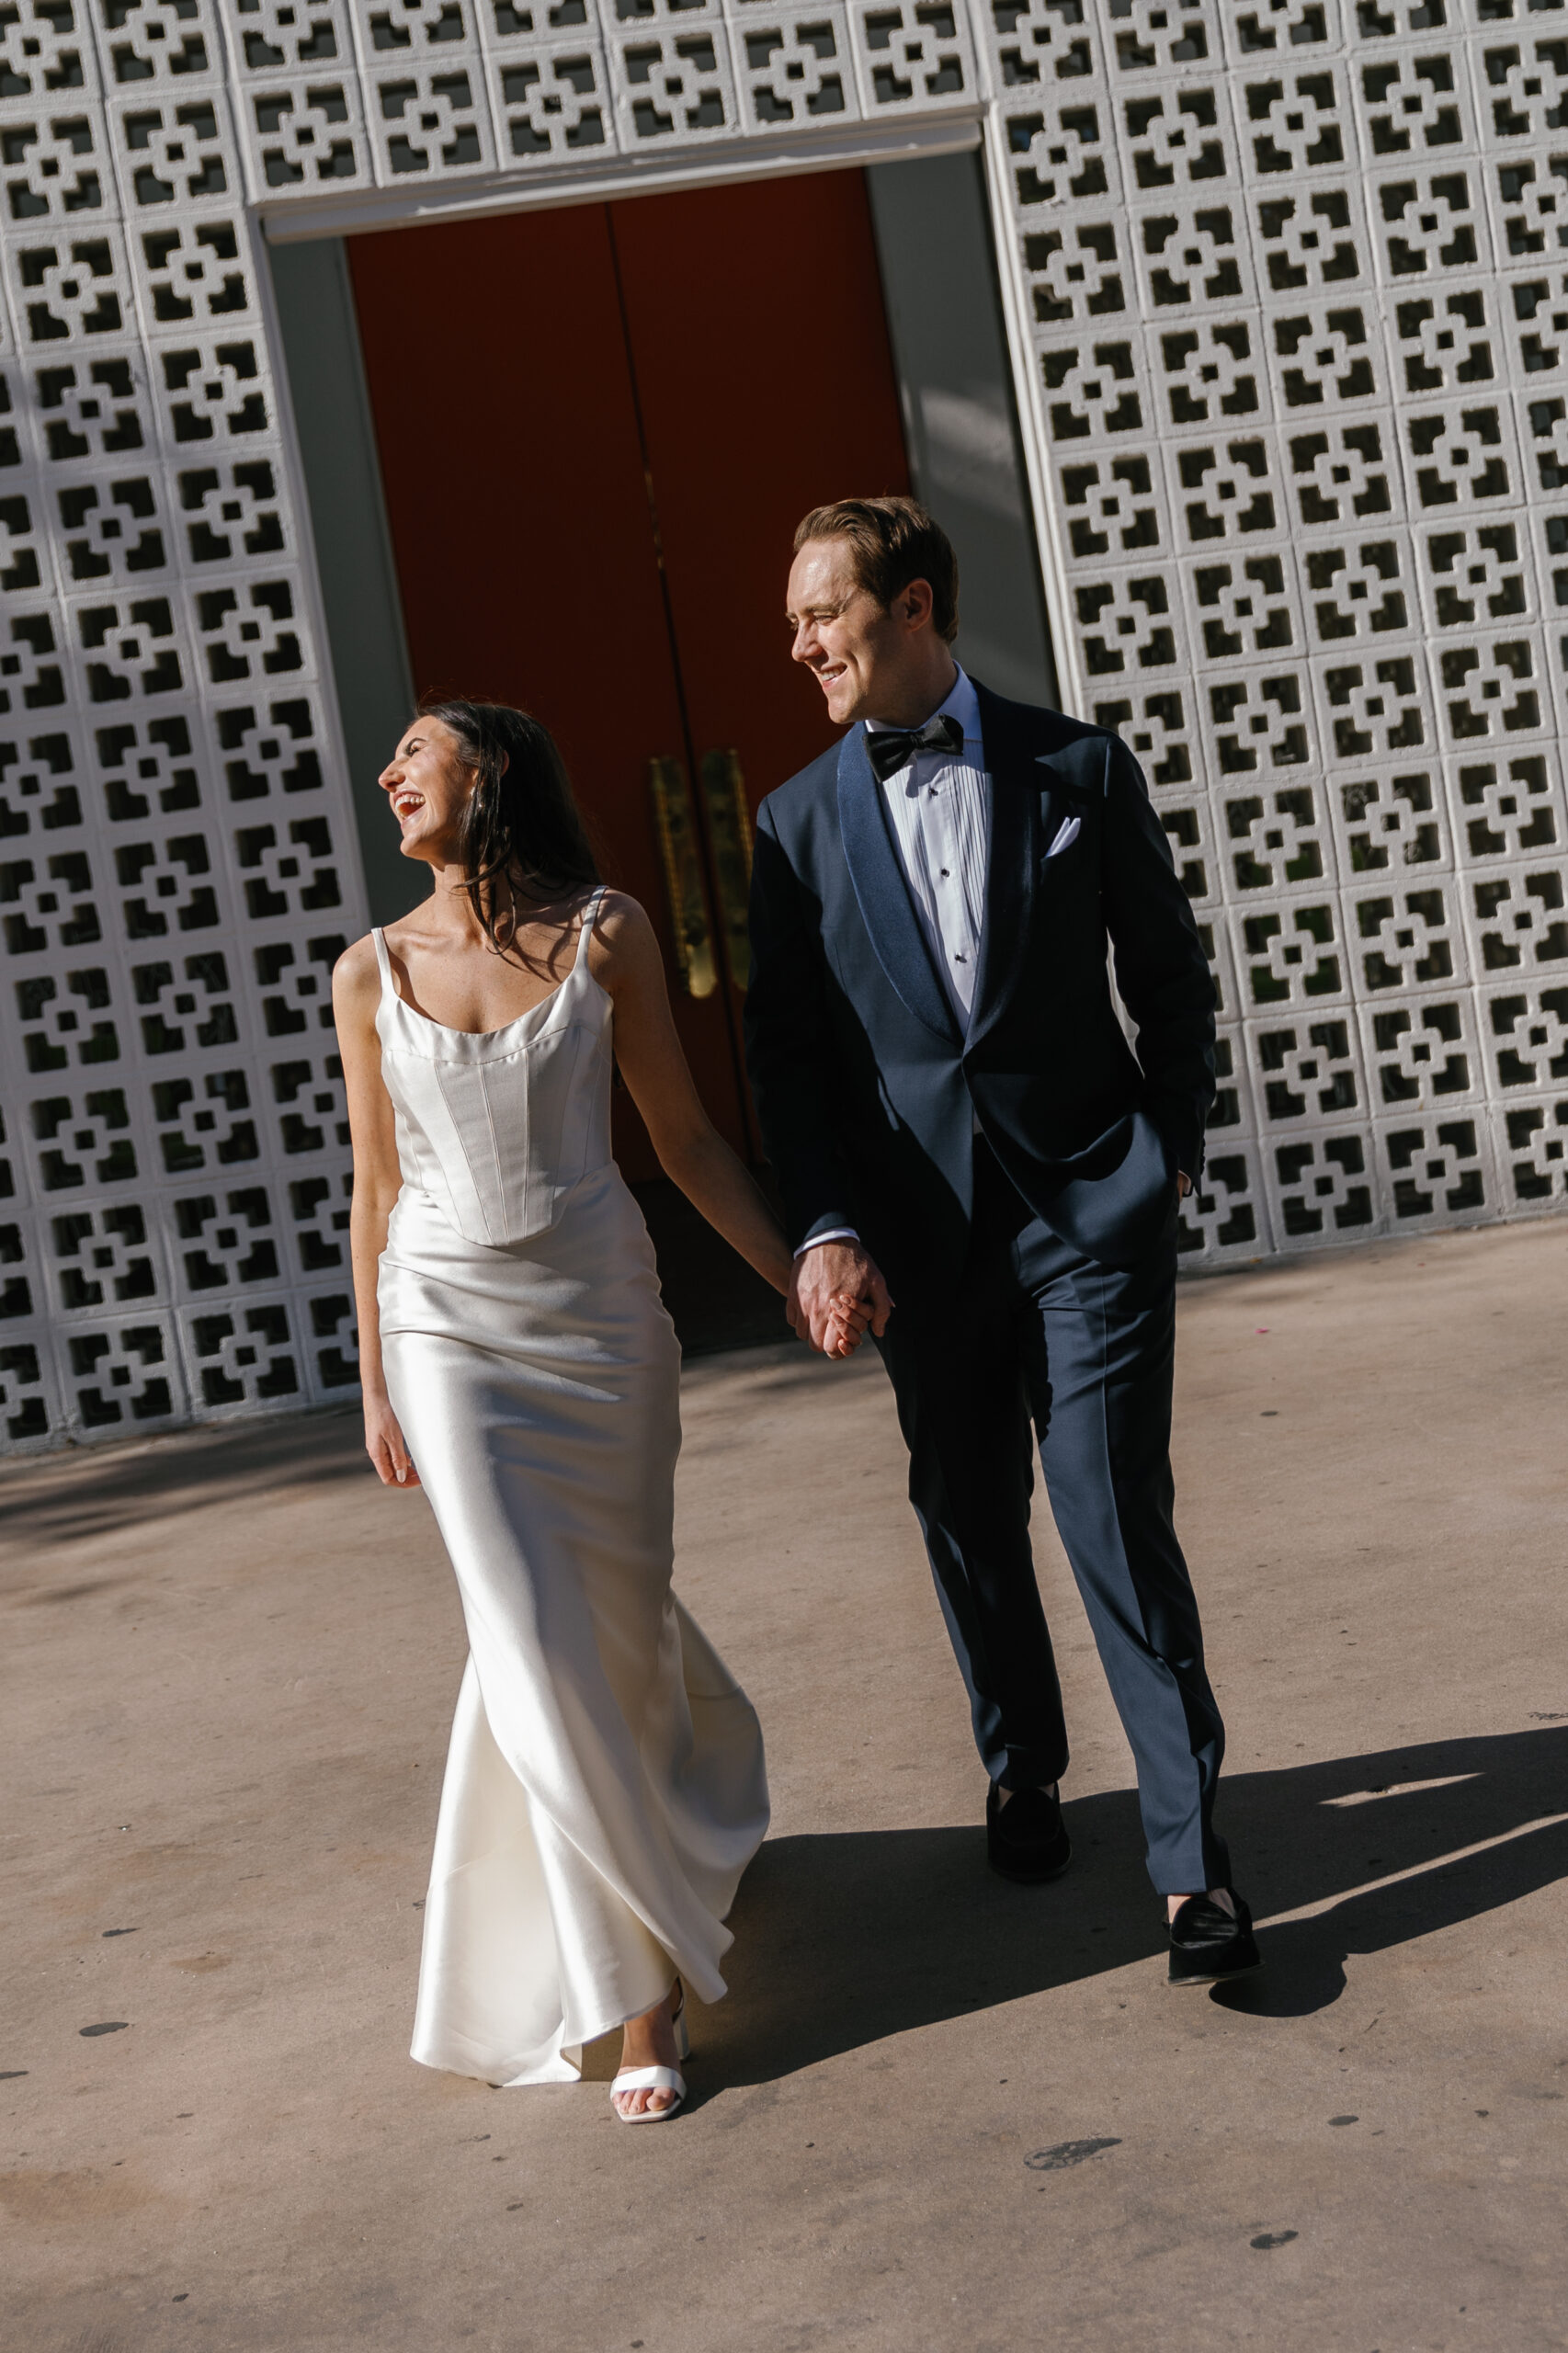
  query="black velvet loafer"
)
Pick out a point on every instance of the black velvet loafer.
point(1025, 1839)
point(1208, 1946)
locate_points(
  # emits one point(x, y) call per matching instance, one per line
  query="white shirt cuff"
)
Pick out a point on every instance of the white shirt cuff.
point(836, 1234)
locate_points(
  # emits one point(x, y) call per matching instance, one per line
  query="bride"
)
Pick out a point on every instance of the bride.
point(605, 1786)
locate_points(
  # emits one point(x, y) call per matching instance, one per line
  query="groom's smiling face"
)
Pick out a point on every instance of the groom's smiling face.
point(858, 651)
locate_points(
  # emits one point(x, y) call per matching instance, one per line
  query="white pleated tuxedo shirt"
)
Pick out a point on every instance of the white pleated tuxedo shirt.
point(938, 806)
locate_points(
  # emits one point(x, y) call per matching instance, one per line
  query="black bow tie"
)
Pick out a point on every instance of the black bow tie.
point(892, 748)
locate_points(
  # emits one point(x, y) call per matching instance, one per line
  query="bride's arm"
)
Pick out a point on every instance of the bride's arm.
point(356, 993)
point(624, 957)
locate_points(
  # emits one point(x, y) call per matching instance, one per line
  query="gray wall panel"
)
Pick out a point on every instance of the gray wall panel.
point(354, 559)
point(959, 419)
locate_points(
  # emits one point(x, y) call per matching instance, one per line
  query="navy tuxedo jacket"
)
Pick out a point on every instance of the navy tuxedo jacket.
point(868, 1089)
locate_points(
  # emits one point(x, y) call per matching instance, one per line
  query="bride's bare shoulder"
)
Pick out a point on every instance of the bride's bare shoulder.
point(624, 945)
point(356, 976)
point(356, 963)
point(618, 911)
point(622, 920)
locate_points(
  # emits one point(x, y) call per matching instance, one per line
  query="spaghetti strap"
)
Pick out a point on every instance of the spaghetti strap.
point(384, 961)
point(590, 916)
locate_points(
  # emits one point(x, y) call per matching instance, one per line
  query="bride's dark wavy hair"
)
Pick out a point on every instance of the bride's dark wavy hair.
point(522, 827)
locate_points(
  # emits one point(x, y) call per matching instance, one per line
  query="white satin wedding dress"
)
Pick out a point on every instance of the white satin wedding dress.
point(605, 1785)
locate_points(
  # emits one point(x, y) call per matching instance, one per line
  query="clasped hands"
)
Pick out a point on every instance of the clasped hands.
point(837, 1295)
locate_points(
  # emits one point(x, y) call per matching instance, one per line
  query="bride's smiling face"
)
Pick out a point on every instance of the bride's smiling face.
point(428, 785)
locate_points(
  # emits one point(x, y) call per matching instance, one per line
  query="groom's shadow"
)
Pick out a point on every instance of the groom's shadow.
point(842, 1940)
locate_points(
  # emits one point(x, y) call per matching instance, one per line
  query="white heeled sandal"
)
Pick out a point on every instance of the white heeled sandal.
point(657, 2079)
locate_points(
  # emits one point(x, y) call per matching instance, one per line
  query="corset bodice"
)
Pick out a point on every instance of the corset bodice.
point(496, 1127)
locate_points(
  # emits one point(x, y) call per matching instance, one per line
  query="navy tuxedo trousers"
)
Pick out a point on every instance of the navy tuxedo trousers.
point(1036, 1332)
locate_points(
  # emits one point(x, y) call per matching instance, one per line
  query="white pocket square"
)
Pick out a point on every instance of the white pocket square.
point(1066, 834)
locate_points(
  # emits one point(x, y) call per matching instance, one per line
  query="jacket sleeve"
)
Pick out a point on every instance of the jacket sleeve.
point(789, 1050)
point(1161, 969)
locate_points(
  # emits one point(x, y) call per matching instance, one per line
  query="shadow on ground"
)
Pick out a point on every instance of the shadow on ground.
point(179, 1471)
point(842, 1940)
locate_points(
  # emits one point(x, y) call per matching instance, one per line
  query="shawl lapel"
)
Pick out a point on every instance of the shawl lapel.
point(1021, 808)
point(1033, 791)
point(882, 893)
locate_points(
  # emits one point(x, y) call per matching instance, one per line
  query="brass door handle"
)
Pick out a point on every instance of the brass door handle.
point(674, 820)
point(729, 833)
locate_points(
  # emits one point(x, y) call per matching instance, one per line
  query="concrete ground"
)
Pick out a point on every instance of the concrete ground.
point(938, 2112)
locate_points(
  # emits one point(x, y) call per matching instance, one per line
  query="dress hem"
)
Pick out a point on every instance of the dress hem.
point(478, 2072)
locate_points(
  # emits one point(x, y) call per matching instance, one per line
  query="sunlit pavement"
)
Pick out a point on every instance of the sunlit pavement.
point(937, 2112)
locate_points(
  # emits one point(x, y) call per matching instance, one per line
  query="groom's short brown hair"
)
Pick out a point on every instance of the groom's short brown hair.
point(892, 543)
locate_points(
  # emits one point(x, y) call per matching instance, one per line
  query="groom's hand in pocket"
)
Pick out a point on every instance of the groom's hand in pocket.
point(823, 1277)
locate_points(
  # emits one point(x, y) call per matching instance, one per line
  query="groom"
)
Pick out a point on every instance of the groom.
point(959, 1125)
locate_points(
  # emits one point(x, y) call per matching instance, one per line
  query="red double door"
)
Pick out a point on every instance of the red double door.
point(598, 429)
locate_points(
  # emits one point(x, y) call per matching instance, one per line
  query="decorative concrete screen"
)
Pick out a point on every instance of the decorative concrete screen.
point(177, 866)
point(1288, 285)
point(1298, 277)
